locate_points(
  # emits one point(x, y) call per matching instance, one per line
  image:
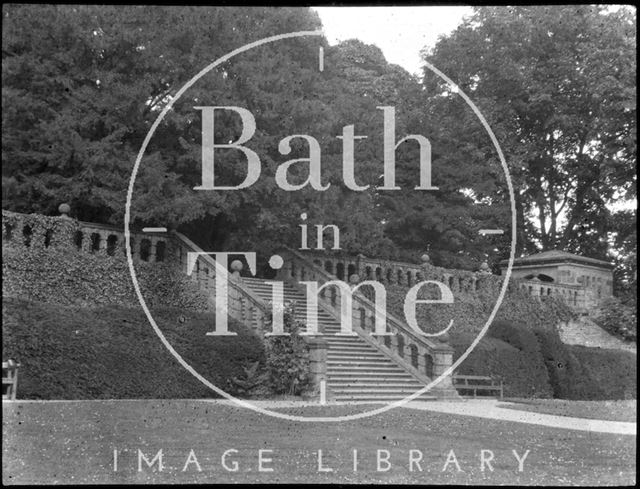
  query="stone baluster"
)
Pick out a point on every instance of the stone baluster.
point(104, 236)
point(87, 240)
point(152, 249)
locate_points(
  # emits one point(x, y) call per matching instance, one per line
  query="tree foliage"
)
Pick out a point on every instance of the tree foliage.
point(82, 86)
point(557, 85)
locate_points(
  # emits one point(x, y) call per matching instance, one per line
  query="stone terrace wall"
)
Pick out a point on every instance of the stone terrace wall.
point(61, 260)
point(35, 231)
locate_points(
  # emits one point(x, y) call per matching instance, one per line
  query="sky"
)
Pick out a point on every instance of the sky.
point(400, 32)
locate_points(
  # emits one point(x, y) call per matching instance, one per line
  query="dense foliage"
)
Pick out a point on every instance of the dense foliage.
point(82, 85)
point(287, 358)
point(619, 318)
point(557, 85)
point(533, 362)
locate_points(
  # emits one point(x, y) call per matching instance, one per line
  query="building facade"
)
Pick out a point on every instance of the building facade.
point(581, 281)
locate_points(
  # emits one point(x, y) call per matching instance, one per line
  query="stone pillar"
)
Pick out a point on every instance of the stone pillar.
point(285, 272)
point(442, 360)
point(317, 364)
point(64, 233)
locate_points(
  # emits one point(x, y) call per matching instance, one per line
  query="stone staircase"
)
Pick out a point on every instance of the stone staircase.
point(356, 370)
point(583, 331)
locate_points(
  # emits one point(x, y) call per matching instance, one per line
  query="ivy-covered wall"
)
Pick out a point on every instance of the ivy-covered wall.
point(470, 310)
point(46, 265)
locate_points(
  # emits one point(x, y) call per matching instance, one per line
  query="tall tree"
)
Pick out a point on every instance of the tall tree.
point(557, 84)
point(83, 84)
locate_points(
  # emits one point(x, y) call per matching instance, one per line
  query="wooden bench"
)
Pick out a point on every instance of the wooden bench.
point(9, 380)
point(477, 383)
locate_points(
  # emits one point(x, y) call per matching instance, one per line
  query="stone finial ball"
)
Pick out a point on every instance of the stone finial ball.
point(64, 209)
point(443, 338)
point(236, 266)
point(425, 258)
point(354, 278)
point(484, 266)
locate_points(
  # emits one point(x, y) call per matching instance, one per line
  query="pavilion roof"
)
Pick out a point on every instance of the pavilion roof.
point(557, 257)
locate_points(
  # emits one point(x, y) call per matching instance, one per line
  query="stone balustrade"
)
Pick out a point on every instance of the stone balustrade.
point(403, 273)
point(422, 357)
point(244, 305)
point(573, 295)
point(38, 231)
point(459, 281)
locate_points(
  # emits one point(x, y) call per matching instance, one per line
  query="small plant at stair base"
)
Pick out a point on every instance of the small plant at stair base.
point(254, 383)
point(288, 358)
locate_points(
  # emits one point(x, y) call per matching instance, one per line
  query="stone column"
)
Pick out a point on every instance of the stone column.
point(65, 232)
point(317, 363)
point(442, 360)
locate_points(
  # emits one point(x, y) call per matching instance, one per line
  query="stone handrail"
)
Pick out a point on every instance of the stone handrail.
point(404, 273)
point(574, 295)
point(244, 305)
point(427, 358)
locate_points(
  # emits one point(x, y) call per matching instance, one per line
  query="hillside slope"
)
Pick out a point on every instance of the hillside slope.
point(112, 352)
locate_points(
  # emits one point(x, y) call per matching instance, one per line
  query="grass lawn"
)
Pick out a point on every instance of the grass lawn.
point(73, 442)
point(606, 410)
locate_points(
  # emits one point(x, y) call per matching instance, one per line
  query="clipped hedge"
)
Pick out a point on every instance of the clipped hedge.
point(112, 352)
point(568, 378)
point(615, 372)
point(504, 361)
point(535, 363)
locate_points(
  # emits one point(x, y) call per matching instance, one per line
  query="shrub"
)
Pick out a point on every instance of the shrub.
point(568, 379)
point(618, 318)
point(520, 336)
point(288, 359)
point(613, 371)
point(254, 382)
point(499, 359)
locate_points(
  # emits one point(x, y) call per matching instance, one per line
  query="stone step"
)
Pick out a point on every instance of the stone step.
point(338, 355)
point(398, 391)
point(374, 383)
point(356, 370)
point(365, 374)
point(380, 398)
point(352, 349)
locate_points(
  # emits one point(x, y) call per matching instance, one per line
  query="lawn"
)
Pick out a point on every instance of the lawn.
point(73, 442)
point(605, 410)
